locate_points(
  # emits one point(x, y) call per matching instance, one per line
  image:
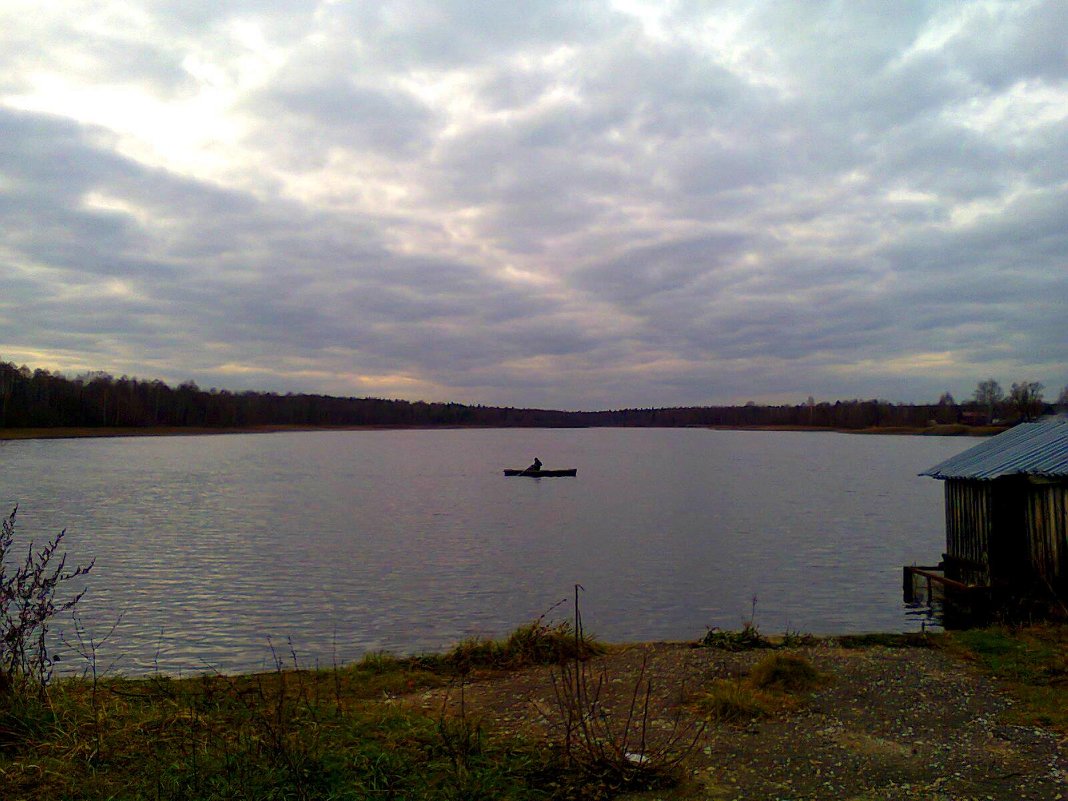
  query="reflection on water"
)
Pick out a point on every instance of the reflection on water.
point(346, 542)
point(924, 601)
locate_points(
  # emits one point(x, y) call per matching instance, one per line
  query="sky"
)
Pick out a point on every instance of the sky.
point(574, 205)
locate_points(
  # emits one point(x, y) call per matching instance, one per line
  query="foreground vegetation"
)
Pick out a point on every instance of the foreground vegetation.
point(1031, 662)
point(293, 733)
point(288, 734)
point(347, 732)
point(339, 733)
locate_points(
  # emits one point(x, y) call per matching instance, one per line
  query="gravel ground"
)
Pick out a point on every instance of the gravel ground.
point(888, 724)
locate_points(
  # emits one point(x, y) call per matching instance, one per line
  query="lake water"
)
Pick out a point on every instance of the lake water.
point(349, 542)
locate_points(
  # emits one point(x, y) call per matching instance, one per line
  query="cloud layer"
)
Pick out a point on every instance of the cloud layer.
point(571, 205)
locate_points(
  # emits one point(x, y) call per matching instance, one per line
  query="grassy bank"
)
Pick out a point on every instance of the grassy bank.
point(1030, 662)
point(292, 733)
point(410, 728)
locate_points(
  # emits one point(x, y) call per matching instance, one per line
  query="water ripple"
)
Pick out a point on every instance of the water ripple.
point(211, 549)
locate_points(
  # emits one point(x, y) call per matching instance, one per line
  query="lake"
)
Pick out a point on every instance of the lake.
point(210, 548)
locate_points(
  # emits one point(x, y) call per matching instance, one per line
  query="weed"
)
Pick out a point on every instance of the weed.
point(537, 643)
point(604, 753)
point(745, 639)
point(295, 733)
point(750, 638)
point(28, 605)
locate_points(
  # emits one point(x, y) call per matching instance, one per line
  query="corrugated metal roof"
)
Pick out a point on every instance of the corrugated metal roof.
point(1031, 449)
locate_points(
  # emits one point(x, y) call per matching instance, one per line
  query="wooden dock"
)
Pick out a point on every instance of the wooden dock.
point(963, 604)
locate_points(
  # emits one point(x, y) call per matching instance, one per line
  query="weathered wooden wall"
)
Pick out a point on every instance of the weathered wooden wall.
point(1047, 533)
point(1010, 532)
point(969, 524)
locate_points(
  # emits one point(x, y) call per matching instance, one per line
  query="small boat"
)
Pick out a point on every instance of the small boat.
point(542, 473)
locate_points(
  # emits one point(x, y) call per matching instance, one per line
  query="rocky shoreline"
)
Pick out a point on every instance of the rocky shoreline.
point(887, 724)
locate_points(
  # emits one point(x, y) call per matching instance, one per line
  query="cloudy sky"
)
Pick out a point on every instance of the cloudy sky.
point(578, 205)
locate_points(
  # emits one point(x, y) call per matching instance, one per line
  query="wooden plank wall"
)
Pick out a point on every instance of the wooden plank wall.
point(1047, 533)
point(969, 522)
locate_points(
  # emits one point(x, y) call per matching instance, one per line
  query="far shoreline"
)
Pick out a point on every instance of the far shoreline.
point(12, 434)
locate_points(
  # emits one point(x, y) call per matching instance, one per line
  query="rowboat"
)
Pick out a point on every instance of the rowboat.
point(542, 473)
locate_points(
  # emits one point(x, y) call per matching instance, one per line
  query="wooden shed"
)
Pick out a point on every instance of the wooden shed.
point(1007, 510)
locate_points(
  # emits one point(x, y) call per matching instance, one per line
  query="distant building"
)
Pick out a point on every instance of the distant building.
point(1007, 511)
point(971, 418)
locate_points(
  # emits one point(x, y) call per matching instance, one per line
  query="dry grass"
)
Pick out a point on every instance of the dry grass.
point(733, 701)
point(774, 685)
point(785, 673)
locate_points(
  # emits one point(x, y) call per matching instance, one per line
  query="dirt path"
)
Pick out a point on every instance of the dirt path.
point(888, 724)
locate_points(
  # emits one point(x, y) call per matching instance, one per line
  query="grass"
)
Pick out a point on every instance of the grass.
point(1032, 662)
point(776, 683)
point(282, 735)
point(289, 733)
point(537, 643)
point(733, 701)
point(342, 734)
point(746, 638)
point(785, 673)
point(749, 637)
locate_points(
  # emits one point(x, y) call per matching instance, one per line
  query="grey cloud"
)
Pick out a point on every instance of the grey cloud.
point(835, 49)
point(703, 235)
point(511, 87)
point(1007, 43)
point(108, 58)
point(196, 18)
point(317, 116)
point(644, 272)
point(567, 167)
point(429, 34)
point(226, 266)
point(1029, 233)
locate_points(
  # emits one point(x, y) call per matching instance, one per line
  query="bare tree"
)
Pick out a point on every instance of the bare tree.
point(1026, 398)
point(947, 408)
point(988, 394)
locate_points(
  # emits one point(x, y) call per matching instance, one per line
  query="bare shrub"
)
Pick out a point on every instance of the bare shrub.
point(28, 604)
point(612, 751)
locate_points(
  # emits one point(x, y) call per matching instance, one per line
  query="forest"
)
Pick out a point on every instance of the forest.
point(42, 399)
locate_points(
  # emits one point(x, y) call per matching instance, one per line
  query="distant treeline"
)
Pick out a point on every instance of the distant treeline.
point(41, 399)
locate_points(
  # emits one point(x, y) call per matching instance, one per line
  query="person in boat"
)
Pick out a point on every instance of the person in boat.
point(534, 467)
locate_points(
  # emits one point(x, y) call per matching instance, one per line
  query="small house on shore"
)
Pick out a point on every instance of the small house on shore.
point(1007, 511)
